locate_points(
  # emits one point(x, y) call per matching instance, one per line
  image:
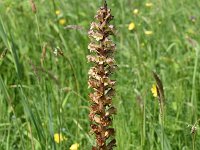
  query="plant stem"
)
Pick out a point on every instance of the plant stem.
point(193, 141)
point(161, 120)
point(193, 97)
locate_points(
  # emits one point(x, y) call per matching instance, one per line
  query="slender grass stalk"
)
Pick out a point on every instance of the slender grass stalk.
point(193, 141)
point(193, 97)
point(143, 124)
point(141, 103)
point(31, 137)
point(162, 131)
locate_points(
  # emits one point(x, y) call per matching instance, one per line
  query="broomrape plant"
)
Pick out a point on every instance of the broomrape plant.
point(101, 110)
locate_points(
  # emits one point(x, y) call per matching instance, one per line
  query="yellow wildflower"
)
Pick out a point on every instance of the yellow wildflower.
point(190, 31)
point(135, 11)
point(59, 137)
point(142, 44)
point(57, 12)
point(149, 4)
point(131, 26)
point(62, 21)
point(148, 32)
point(74, 146)
point(154, 90)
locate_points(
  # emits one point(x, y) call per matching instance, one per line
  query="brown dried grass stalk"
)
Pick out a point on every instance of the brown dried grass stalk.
point(101, 110)
point(160, 90)
point(33, 6)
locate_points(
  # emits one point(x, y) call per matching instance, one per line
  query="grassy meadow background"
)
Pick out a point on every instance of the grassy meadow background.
point(46, 93)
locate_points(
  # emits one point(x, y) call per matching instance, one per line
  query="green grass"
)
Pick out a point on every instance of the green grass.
point(38, 100)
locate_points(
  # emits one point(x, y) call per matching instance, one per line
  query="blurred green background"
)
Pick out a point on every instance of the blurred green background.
point(43, 73)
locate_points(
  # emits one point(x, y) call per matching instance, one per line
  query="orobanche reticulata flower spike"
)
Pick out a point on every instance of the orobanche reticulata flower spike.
point(101, 110)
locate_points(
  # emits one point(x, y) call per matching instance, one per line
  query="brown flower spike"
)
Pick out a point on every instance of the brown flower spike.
point(101, 110)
